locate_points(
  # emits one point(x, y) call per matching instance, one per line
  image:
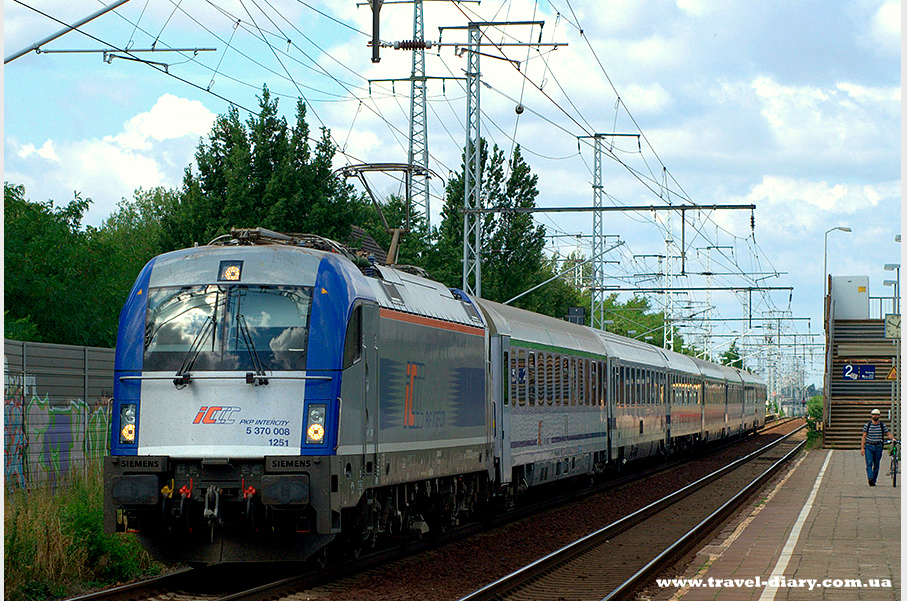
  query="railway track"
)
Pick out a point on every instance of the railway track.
point(613, 562)
point(304, 581)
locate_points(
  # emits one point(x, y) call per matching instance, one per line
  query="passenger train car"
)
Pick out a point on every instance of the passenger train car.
point(275, 394)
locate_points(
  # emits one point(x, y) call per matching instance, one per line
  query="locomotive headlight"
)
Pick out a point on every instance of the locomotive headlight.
point(127, 423)
point(314, 432)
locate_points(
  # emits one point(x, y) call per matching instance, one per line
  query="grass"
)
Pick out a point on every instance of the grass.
point(55, 545)
point(814, 435)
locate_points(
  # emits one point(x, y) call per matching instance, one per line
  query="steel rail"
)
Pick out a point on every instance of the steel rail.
point(127, 592)
point(565, 554)
point(679, 546)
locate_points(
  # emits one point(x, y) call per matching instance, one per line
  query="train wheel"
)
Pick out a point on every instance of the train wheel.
point(320, 558)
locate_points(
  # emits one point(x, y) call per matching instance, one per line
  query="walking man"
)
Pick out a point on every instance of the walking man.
point(874, 433)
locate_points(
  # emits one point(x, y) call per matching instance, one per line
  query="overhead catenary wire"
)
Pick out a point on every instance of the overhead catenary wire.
point(664, 185)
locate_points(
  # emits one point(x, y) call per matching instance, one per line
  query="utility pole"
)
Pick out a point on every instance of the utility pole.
point(417, 157)
point(598, 236)
point(417, 185)
point(472, 225)
point(472, 197)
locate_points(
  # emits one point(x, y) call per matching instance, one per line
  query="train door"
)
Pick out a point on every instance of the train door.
point(500, 386)
point(370, 328)
point(606, 404)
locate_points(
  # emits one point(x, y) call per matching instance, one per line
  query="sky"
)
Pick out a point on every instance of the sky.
point(792, 106)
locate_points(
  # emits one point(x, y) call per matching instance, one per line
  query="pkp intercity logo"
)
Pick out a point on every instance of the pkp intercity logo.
point(215, 415)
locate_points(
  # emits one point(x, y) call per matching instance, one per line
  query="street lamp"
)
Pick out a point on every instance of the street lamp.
point(825, 263)
point(895, 267)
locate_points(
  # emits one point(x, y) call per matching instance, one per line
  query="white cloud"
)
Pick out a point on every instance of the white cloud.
point(170, 118)
point(45, 152)
point(697, 8)
point(657, 52)
point(886, 27)
point(645, 99)
point(802, 204)
point(152, 150)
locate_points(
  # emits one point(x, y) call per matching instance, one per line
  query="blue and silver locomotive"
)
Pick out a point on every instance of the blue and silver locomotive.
point(276, 394)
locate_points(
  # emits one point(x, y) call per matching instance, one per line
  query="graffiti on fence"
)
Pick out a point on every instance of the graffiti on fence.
point(15, 388)
point(45, 441)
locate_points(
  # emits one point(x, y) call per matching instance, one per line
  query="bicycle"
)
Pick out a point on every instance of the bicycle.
point(895, 452)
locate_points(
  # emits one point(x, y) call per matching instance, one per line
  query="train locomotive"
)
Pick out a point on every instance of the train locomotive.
point(277, 396)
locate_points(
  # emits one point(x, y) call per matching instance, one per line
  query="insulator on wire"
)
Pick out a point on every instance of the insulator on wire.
point(752, 221)
point(413, 45)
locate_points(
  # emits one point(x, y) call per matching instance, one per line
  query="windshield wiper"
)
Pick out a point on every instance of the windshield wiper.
point(183, 376)
point(258, 377)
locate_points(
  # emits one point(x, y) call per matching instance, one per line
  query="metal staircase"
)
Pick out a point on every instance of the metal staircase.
point(858, 361)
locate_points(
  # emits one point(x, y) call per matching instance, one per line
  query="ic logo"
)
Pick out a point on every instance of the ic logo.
point(215, 415)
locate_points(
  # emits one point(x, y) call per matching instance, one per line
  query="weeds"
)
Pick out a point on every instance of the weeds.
point(55, 545)
point(814, 416)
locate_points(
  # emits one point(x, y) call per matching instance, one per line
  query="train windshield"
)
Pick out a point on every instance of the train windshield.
point(227, 327)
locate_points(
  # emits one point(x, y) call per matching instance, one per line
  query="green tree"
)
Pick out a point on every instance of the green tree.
point(514, 252)
point(57, 273)
point(732, 356)
point(512, 245)
point(136, 229)
point(262, 173)
point(445, 264)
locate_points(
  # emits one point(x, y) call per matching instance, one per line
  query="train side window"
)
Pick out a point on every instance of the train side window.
point(628, 385)
point(616, 385)
point(352, 346)
point(556, 374)
point(602, 383)
point(530, 379)
point(647, 383)
point(506, 382)
point(624, 385)
point(644, 379)
point(551, 378)
point(540, 371)
point(590, 381)
point(647, 386)
point(521, 376)
point(581, 381)
point(513, 377)
point(596, 382)
point(574, 387)
point(633, 387)
point(565, 380)
point(653, 386)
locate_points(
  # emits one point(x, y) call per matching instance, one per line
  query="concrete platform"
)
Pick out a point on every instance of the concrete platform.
point(817, 533)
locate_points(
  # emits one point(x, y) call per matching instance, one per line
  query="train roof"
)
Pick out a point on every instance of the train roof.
point(402, 291)
point(534, 328)
point(719, 372)
point(629, 350)
point(748, 378)
point(260, 265)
